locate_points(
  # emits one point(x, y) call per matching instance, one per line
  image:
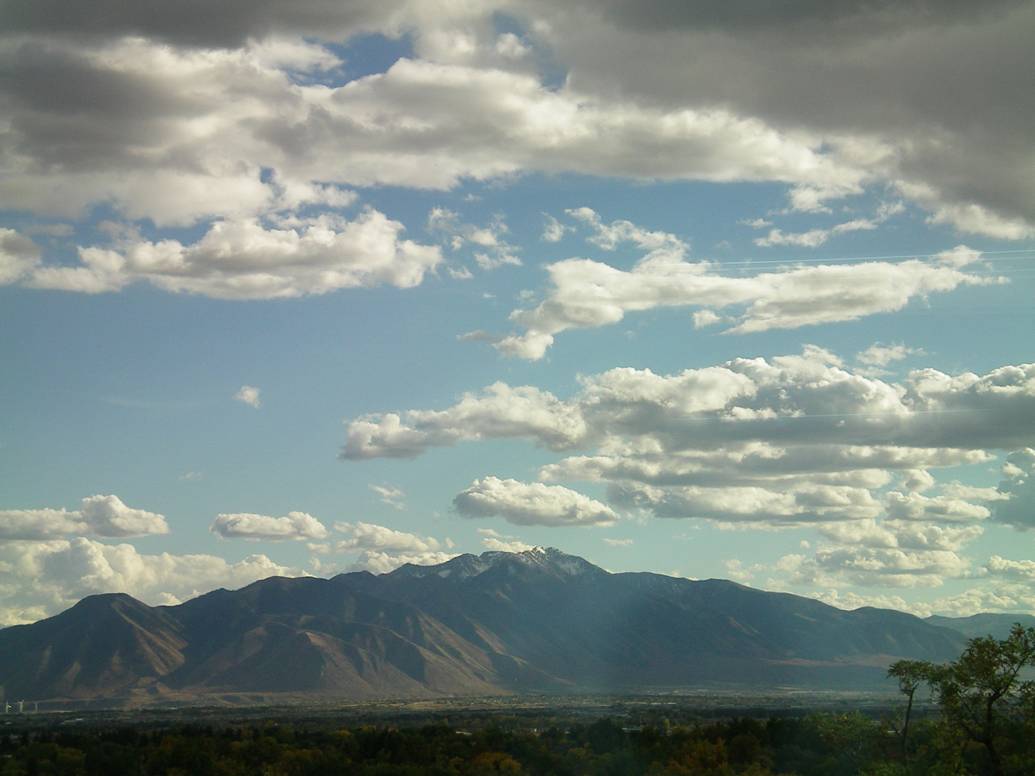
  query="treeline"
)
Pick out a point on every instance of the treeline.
point(815, 745)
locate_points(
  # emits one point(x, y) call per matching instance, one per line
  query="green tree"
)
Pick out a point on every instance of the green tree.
point(910, 675)
point(981, 692)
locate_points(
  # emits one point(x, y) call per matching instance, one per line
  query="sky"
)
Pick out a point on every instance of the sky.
point(708, 289)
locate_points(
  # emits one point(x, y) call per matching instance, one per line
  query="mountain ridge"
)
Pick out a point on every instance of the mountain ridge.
point(496, 623)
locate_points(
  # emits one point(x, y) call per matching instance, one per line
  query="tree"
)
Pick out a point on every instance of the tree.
point(910, 675)
point(981, 691)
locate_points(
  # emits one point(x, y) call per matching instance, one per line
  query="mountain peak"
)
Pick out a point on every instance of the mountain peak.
point(549, 560)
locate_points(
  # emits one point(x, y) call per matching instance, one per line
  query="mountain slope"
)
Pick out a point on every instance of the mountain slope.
point(539, 620)
point(985, 624)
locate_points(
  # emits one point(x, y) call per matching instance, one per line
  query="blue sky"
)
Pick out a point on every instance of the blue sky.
point(303, 290)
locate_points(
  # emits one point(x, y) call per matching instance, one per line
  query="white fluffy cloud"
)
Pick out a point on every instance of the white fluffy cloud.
point(498, 411)
point(370, 536)
point(44, 577)
point(18, 256)
point(244, 259)
point(1017, 503)
point(250, 395)
point(942, 509)
point(803, 503)
point(378, 562)
point(805, 401)
point(875, 567)
point(784, 442)
point(243, 525)
point(585, 293)
point(98, 515)
point(497, 542)
point(381, 549)
point(531, 504)
point(421, 124)
point(490, 249)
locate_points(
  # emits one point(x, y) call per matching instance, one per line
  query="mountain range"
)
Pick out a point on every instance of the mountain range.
point(496, 623)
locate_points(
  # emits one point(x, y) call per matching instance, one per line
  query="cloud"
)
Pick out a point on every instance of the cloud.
point(243, 525)
point(907, 535)
point(915, 506)
point(108, 516)
point(390, 495)
point(496, 542)
point(554, 230)
point(1023, 570)
point(46, 577)
point(244, 259)
point(813, 238)
point(420, 124)
point(105, 516)
point(1016, 504)
point(378, 562)
point(498, 411)
point(249, 394)
point(618, 542)
point(703, 318)
point(875, 567)
point(801, 504)
point(788, 441)
point(876, 357)
point(531, 504)
point(471, 105)
point(585, 293)
point(18, 256)
point(492, 250)
point(370, 536)
point(798, 68)
point(809, 400)
point(381, 549)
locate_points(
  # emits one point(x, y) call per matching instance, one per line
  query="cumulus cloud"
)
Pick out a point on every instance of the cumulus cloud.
point(784, 442)
point(250, 395)
point(498, 411)
point(491, 250)
point(105, 516)
point(370, 536)
point(471, 104)
point(378, 562)
point(915, 506)
point(875, 567)
point(18, 256)
point(45, 577)
point(497, 542)
point(585, 293)
point(380, 549)
point(875, 358)
point(422, 124)
point(1016, 502)
point(776, 64)
point(245, 259)
point(809, 400)
point(803, 503)
point(244, 525)
point(554, 230)
point(531, 504)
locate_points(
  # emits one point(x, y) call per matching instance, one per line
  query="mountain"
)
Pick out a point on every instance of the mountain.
point(534, 621)
point(985, 624)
